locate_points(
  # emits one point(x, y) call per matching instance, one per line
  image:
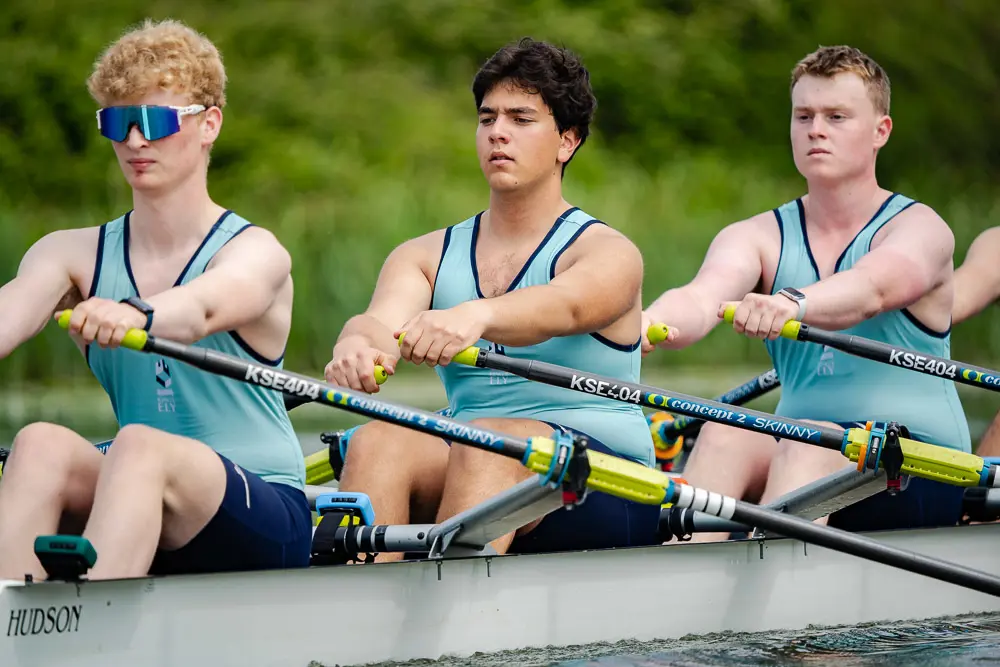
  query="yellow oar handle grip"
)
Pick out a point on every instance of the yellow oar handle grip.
point(135, 339)
point(790, 330)
point(657, 333)
point(466, 357)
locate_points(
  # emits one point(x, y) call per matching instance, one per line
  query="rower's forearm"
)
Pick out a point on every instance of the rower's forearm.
point(372, 331)
point(841, 301)
point(23, 315)
point(175, 317)
point(536, 314)
point(681, 310)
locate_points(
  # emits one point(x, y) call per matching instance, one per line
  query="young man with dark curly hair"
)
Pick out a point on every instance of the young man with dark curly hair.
point(533, 277)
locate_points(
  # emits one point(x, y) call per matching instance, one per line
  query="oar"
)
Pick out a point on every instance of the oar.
point(560, 462)
point(667, 432)
point(292, 402)
point(742, 394)
point(928, 364)
point(919, 459)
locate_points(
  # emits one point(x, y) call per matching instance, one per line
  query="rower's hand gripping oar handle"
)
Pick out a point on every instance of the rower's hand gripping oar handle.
point(919, 459)
point(657, 333)
point(789, 331)
point(135, 339)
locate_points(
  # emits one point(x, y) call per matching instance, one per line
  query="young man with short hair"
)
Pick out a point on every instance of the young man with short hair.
point(848, 255)
point(205, 473)
point(533, 277)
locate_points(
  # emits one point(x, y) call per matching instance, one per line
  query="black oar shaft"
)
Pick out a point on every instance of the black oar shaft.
point(857, 545)
point(795, 527)
point(928, 364)
point(661, 399)
point(312, 390)
point(740, 395)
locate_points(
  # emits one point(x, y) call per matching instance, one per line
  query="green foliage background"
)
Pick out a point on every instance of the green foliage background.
point(350, 129)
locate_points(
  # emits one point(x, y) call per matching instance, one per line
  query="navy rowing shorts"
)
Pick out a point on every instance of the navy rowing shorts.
point(924, 503)
point(600, 522)
point(259, 526)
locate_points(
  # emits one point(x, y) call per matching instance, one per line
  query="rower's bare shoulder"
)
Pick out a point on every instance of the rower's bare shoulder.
point(918, 220)
point(257, 243)
point(749, 232)
point(603, 241)
point(70, 248)
point(423, 251)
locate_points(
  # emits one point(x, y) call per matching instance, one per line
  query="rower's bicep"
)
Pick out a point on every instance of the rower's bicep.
point(911, 260)
point(43, 283)
point(732, 266)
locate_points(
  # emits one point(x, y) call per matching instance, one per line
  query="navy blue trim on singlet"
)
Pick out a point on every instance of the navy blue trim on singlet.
point(125, 254)
point(524, 268)
point(836, 267)
point(805, 238)
point(616, 346)
point(569, 242)
point(552, 274)
point(260, 358)
point(906, 311)
point(96, 278)
point(886, 222)
point(202, 245)
point(781, 246)
point(923, 327)
point(253, 353)
point(437, 273)
point(100, 259)
point(128, 261)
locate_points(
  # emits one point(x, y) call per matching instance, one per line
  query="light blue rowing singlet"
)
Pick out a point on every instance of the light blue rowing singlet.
point(245, 423)
point(479, 392)
point(825, 384)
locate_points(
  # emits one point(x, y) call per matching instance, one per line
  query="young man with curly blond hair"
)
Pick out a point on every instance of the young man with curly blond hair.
point(205, 473)
point(848, 255)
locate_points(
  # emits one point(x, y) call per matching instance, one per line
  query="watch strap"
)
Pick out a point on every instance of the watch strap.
point(142, 307)
point(797, 297)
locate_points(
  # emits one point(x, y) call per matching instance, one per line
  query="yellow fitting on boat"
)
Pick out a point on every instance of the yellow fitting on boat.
point(665, 451)
point(921, 459)
point(318, 469)
point(608, 474)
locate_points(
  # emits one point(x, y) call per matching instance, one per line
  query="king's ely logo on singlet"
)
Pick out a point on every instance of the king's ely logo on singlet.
point(164, 391)
point(826, 362)
point(498, 377)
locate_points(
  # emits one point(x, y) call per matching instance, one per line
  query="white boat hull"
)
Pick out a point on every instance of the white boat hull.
point(348, 615)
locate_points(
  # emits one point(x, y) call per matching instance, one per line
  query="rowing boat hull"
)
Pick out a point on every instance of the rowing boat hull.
point(357, 614)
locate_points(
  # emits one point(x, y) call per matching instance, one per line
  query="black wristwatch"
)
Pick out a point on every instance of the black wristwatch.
point(142, 307)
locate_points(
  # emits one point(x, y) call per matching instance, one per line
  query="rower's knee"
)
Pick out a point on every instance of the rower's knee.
point(718, 443)
point(135, 443)
point(473, 459)
point(802, 458)
point(41, 448)
point(378, 445)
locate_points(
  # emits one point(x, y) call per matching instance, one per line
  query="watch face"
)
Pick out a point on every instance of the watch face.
point(791, 291)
